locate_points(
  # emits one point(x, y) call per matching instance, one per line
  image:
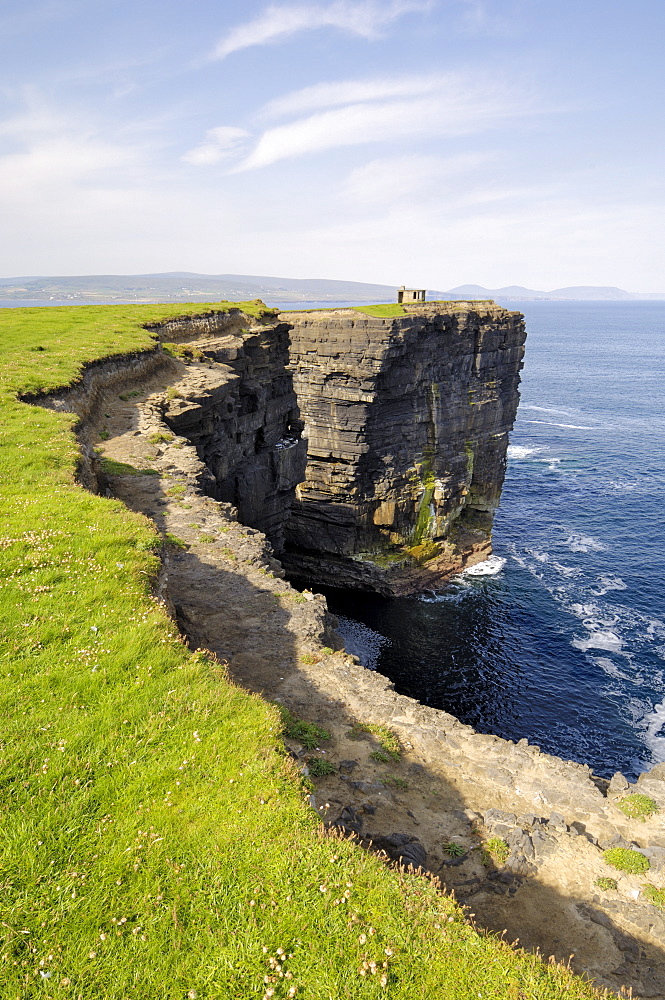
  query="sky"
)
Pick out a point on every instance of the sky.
point(425, 142)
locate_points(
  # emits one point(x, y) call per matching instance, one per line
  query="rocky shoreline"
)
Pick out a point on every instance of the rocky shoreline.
point(446, 784)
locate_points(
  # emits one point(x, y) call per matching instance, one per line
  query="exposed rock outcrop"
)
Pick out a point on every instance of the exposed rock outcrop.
point(241, 413)
point(407, 421)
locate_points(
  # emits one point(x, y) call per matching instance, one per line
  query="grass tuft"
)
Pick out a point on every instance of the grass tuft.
point(624, 859)
point(454, 850)
point(637, 806)
point(184, 352)
point(160, 437)
point(176, 542)
point(307, 733)
point(654, 895)
point(114, 468)
point(495, 851)
point(606, 884)
point(390, 746)
point(319, 768)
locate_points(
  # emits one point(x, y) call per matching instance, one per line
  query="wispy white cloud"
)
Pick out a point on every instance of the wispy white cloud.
point(391, 179)
point(333, 94)
point(366, 18)
point(446, 105)
point(45, 153)
point(219, 143)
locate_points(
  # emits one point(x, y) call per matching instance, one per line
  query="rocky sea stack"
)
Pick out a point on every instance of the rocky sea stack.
point(407, 414)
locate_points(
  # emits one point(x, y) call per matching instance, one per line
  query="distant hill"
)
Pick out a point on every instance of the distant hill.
point(183, 286)
point(597, 293)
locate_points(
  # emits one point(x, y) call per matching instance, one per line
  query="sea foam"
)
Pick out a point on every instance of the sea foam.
point(522, 451)
point(489, 567)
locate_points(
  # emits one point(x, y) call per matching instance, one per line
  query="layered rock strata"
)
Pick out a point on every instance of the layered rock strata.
point(242, 417)
point(407, 420)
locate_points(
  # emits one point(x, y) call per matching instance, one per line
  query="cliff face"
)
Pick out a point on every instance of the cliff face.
point(241, 413)
point(407, 420)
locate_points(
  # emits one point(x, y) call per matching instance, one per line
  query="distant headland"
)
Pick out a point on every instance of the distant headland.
point(183, 286)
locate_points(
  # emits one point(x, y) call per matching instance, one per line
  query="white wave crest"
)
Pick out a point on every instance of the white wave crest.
point(611, 669)
point(622, 485)
point(522, 451)
point(568, 427)
point(545, 409)
point(489, 567)
point(584, 543)
point(654, 725)
point(607, 583)
point(602, 639)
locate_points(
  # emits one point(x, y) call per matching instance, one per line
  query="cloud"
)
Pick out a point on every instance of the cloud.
point(365, 18)
point(219, 143)
point(46, 154)
point(388, 180)
point(447, 105)
point(329, 95)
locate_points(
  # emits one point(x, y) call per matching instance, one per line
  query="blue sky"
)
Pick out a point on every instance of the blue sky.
point(430, 142)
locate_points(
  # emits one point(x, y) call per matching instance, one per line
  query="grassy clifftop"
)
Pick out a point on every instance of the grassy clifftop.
point(155, 842)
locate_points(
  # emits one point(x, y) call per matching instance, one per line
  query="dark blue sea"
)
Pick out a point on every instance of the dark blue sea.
point(564, 643)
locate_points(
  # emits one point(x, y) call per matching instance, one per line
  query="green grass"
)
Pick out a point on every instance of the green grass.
point(155, 839)
point(624, 859)
point(454, 850)
point(175, 541)
point(307, 733)
point(637, 806)
point(114, 468)
point(606, 884)
point(496, 851)
point(319, 768)
point(184, 352)
point(654, 895)
point(394, 781)
point(390, 748)
point(385, 311)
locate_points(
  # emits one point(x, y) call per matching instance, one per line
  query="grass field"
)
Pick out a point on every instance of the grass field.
point(155, 842)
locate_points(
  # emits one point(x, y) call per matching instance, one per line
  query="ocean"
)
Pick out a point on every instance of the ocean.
point(563, 640)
